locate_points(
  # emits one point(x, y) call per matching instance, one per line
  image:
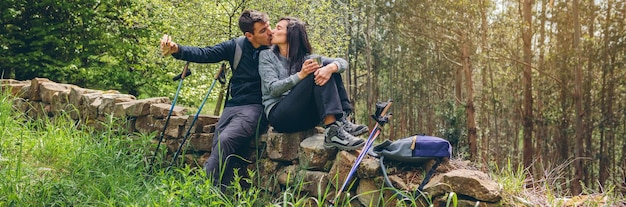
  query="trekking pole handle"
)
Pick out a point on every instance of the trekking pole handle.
point(387, 107)
point(186, 72)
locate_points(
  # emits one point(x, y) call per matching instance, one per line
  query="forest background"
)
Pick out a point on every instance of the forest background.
point(536, 83)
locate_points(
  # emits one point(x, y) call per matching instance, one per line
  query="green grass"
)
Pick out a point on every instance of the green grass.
point(57, 162)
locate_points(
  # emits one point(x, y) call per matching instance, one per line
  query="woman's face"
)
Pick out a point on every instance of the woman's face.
point(279, 34)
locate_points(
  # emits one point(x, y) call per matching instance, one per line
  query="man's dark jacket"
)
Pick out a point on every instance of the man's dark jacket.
point(245, 83)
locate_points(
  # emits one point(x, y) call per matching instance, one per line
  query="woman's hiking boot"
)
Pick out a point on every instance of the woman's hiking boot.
point(336, 137)
point(352, 128)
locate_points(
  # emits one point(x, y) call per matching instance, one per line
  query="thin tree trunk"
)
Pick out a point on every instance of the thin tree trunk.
point(458, 82)
point(485, 134)
point(620, 30)
point(350, 89)
point(587, 102)
point(527, 84)
point(469, 106)
point(541, 131)
point(622, 161)
point(368, 62)
point(577, 97)
point(607, 125)
point(496, 109)
point(391, 93)
point(354, 85)
point(220, 100)
point(563, 140)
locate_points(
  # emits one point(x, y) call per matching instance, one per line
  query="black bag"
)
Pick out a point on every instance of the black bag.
point(414, 149)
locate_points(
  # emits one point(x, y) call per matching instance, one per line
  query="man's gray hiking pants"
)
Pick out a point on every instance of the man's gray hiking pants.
point(235, 129)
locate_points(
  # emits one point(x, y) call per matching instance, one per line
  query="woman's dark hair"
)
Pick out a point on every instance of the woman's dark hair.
point(299, 45)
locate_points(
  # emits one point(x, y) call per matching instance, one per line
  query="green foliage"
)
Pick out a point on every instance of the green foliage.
point(94, 44)
point(206, 23)
point(114, 44)
point(454, 127)
point(406, 50)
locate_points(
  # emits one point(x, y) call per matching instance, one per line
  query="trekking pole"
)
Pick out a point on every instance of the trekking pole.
point(217, 77)
point(380, 119)
point(181, 76)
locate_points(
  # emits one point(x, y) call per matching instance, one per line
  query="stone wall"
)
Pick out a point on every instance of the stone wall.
point(283, 159)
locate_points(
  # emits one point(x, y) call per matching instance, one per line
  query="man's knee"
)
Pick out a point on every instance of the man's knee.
point(223, 144)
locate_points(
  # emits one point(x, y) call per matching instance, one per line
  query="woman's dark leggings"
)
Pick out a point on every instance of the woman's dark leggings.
point(307, 104)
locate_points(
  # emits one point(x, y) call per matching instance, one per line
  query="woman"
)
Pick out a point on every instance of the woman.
point(298, 93)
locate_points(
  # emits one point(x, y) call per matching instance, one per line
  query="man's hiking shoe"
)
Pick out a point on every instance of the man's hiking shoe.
point(335, 136)
point(353, 129)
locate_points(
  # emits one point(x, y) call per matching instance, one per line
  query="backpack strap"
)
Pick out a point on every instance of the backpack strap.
point(419, 190)
point(238, 51)
point(430, 174)
point(238, 45)
point(376, 150)
point(401, 195)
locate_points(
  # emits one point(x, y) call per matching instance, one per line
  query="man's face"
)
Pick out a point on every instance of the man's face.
point(262, 34)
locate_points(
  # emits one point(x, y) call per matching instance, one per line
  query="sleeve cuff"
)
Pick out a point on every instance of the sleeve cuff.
point(340, 68)
point(179, 54)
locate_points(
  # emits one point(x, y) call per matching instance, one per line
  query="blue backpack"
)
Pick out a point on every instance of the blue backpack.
point(414, 149)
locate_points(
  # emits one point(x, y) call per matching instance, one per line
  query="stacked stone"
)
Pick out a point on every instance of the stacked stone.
point(41, 98)
point(299, 160)
point(282, 160)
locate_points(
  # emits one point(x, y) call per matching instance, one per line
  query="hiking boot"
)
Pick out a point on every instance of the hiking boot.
point(353, 129)
point(335, 136)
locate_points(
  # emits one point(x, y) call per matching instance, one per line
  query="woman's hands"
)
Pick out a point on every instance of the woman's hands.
point(322, 74)
point(309, 66)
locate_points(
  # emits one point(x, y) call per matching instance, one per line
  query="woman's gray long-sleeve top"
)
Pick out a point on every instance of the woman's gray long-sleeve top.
point(276, 82)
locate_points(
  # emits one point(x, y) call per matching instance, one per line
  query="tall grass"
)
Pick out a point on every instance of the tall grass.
point(60, 162)
point(519, 188)
point(57, 162)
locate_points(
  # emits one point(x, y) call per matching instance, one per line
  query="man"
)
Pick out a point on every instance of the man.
point(244, 111)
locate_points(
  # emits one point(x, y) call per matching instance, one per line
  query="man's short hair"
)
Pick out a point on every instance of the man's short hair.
point(249, 17)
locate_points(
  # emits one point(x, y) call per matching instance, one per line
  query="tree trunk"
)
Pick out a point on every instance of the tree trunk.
point(541, 131)
point(368, 66)
point(220, 100)
point(577, 98)
point(486, 135)
point(623, 160)
point(607, 125)
point(471, 123)
point(469, 105)
point(527, 113)
point(496, 109)
point(563, 140)
point(222, 90)
point(352, 72)
point(458, 83)
point(587, 102)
